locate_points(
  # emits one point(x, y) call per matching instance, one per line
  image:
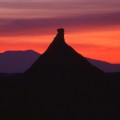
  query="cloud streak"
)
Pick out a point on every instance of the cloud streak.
point(51, 8)
point(51, 4)
point(11, 27)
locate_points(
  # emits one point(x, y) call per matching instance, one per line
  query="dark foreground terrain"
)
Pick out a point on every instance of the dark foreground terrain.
point(60, 85)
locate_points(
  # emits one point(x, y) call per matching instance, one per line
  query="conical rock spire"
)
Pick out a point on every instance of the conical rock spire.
point(58, 43)
point(60, 36)
point(60, 56)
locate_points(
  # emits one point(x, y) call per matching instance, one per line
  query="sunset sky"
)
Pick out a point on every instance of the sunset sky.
point(92, 27)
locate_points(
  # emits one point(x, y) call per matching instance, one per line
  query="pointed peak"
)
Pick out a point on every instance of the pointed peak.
point(60, 30)
point(59, 39)
point(60, 35)
point(58, 43)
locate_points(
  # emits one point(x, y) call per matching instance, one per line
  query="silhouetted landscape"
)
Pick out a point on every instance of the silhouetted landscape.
point(19, 61)
point(60, 85)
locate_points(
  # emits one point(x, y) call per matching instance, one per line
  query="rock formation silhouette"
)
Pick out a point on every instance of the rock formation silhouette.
point(60, 53)
point(65, 79)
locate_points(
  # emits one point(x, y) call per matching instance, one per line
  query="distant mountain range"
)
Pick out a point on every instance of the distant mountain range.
point(20, 61)
point(17, 61)
point(105, 66)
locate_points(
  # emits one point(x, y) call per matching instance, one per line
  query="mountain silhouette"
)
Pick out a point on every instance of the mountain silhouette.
point(60, 85)
point(62, 57)
point(105, 66)
point(17, 61)
point(64, 79)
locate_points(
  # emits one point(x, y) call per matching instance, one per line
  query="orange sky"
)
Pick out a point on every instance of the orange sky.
point(91, 27)
point(98, 44)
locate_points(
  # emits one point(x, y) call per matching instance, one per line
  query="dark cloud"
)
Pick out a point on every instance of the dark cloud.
point(40, 5)
point(58, 4)
point(48, 25)
point(48, 5)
